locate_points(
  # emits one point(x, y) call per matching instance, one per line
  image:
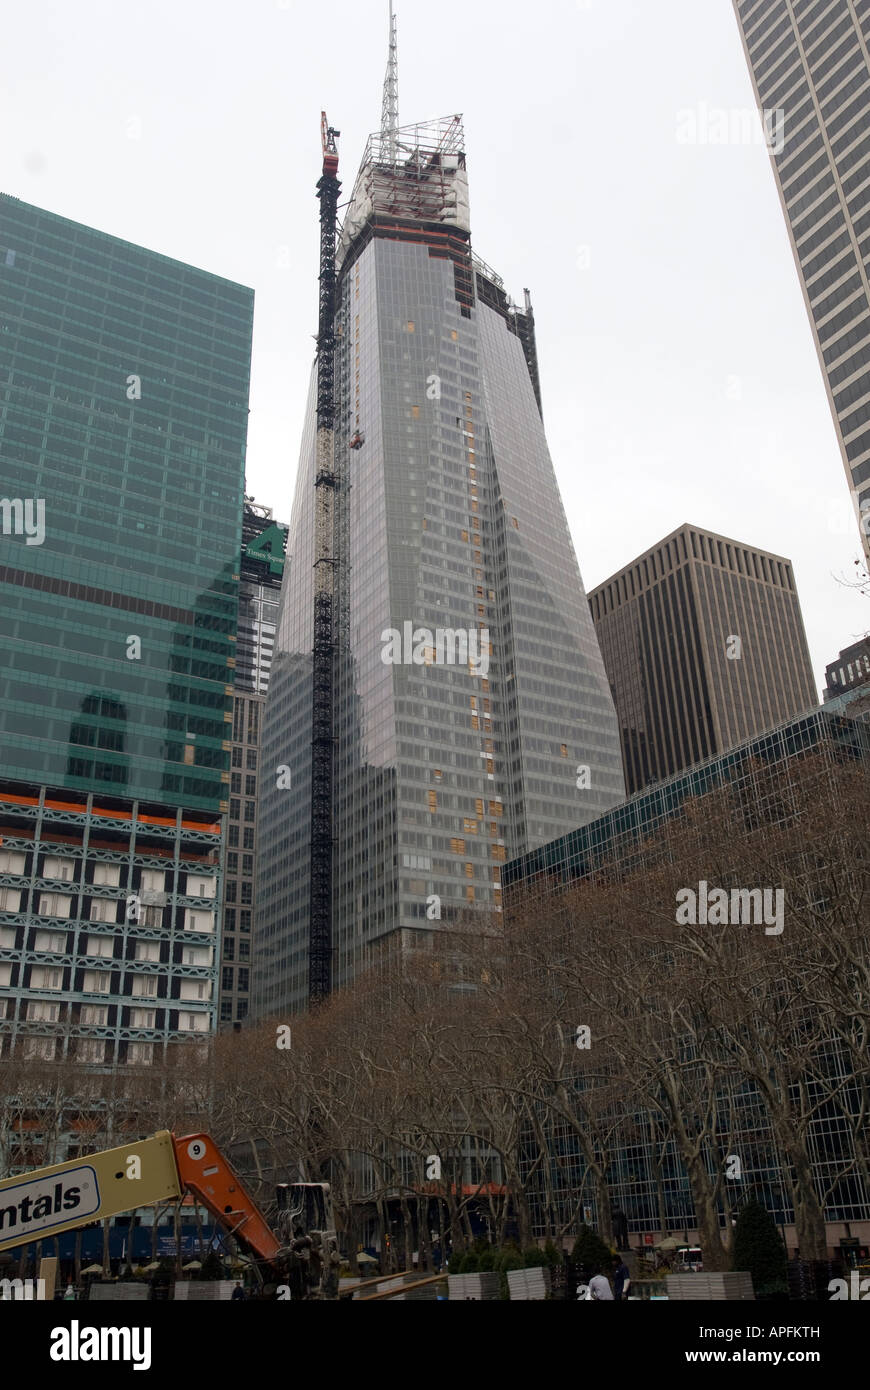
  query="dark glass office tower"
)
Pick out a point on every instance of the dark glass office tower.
point(704, 646)
point(123, 419)
point(472, 712)
point(809, 65)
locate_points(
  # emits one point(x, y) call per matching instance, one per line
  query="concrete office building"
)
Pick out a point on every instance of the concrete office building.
point(704, 646)
point(850, 671)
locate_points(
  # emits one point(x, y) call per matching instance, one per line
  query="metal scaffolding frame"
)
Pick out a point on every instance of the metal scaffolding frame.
point(322, 695)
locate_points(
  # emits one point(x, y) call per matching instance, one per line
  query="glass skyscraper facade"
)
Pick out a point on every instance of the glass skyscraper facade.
point(123, 418)
point(124, 380)
point(810, 69)
point(450, 537)
point(646, 1177)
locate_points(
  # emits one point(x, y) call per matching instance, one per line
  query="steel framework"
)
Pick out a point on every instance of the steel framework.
point(322, 701)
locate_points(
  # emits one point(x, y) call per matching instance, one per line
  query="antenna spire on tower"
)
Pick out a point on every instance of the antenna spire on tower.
point(390, 108)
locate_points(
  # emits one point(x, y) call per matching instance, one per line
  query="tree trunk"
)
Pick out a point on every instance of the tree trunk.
point(809, 1219)
point(602, 1201)
point(353, 1240)
point(200, 1238)
point(442, 1234)
point(130, 1238)
point(409, 1233)
point(176, 1228)
point(384, 1228)
point(714, 1254)
point(423, 1243)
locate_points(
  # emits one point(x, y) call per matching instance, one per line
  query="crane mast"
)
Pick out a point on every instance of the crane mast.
point(322, 738)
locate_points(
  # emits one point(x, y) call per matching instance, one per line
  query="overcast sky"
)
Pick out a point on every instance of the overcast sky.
point(679, 378)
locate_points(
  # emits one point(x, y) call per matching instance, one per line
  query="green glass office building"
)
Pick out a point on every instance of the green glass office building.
point(124, 381)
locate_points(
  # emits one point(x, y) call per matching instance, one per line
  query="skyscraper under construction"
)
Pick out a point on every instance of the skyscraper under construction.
point(471, 716)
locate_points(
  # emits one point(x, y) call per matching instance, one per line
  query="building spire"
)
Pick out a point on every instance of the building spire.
point(390, 108)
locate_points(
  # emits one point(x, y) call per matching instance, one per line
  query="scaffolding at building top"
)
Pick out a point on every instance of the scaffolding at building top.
point(416, 173)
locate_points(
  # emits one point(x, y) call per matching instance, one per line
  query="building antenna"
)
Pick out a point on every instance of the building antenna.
point(390, 108)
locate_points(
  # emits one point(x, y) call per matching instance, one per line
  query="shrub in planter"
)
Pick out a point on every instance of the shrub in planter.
point(212, 1266)
point(486, 1260)
point(471, 1263)
point(533, 1258)
point(590, 1252)
point(510, 1259)
point(758, 1248)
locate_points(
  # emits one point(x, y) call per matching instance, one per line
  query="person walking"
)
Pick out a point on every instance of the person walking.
point(599, 1288)
point(621, 1280)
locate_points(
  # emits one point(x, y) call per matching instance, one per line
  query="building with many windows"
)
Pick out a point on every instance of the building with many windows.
point(809, 64)
point(647, 1180)
point(262, 566)
point(850, 670)
point(704, 645)
point(472, 718)
point(123, 420)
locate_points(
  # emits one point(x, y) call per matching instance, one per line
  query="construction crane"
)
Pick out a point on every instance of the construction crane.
point(161, 1169)
point(322, 699)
